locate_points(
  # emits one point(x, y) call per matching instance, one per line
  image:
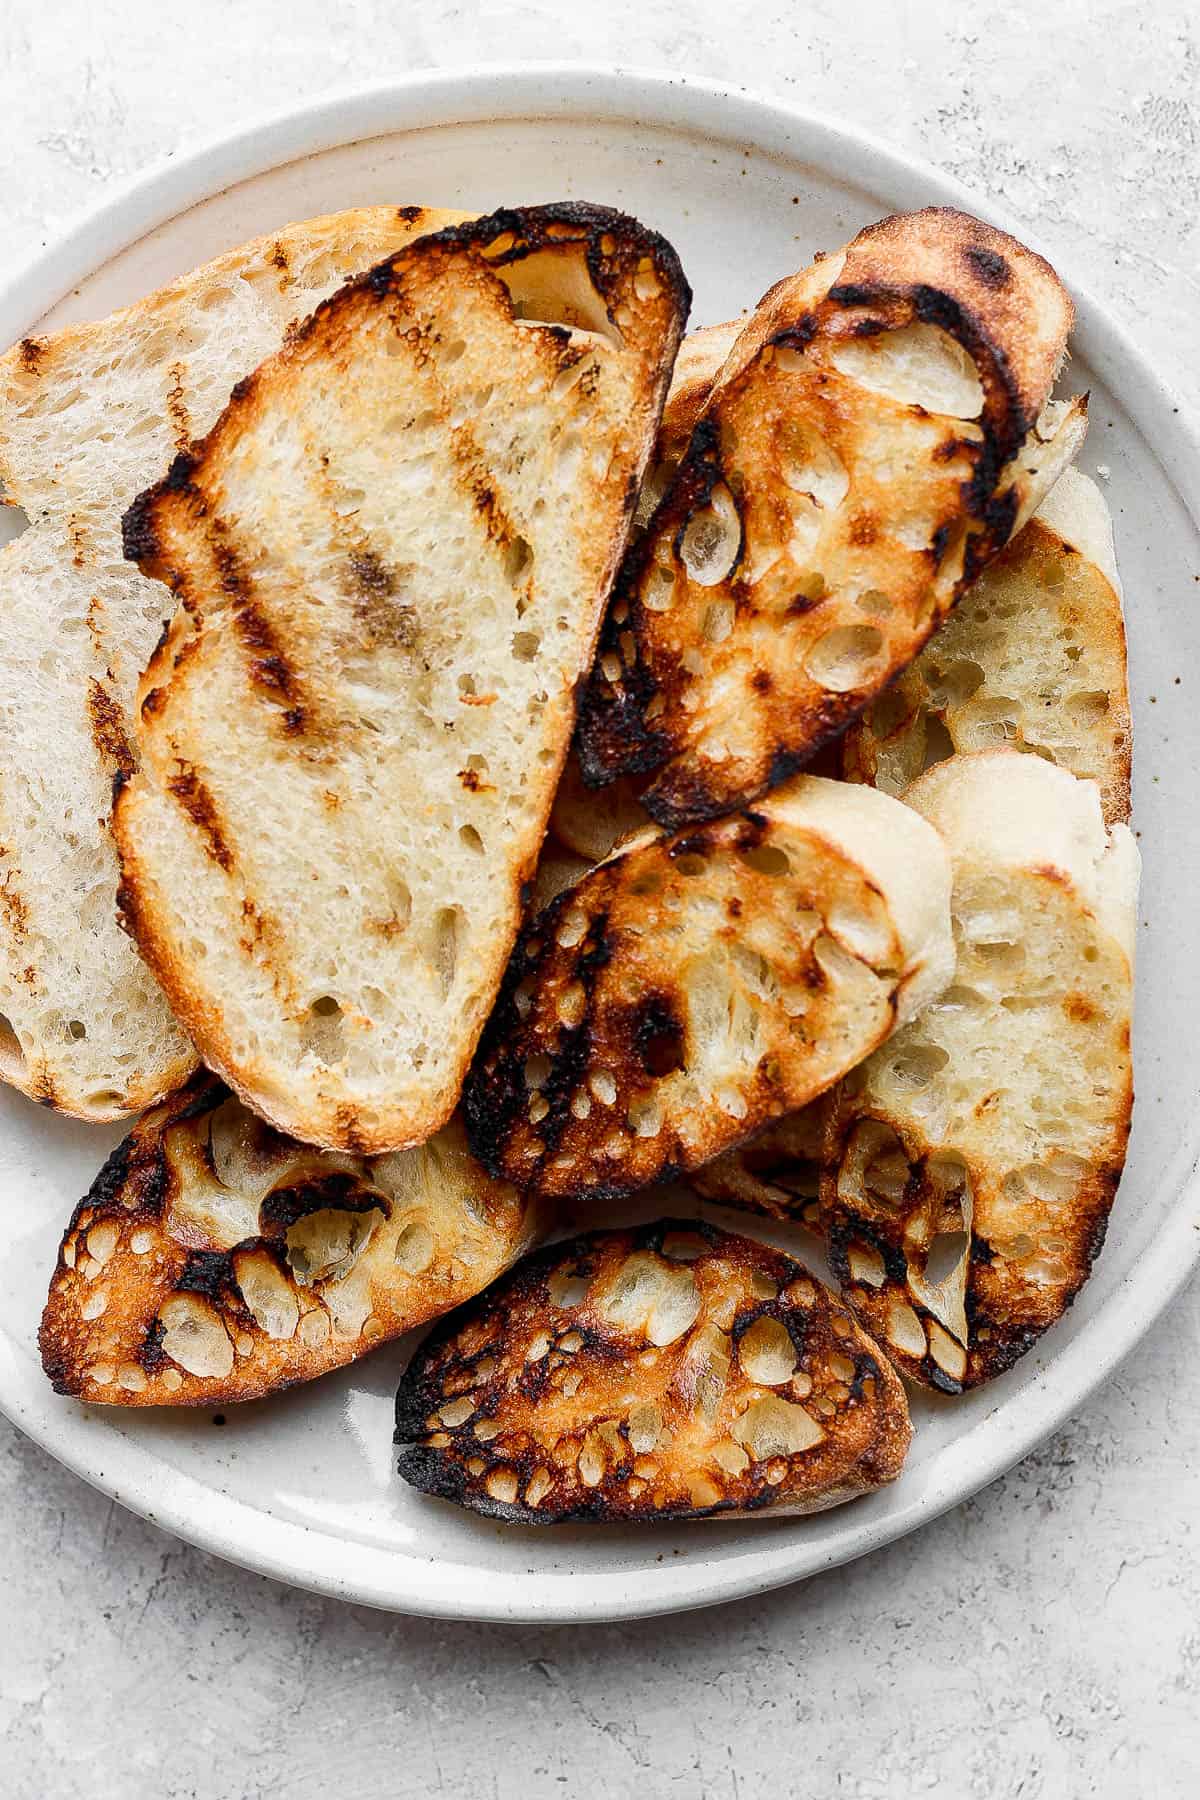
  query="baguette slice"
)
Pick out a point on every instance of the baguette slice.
point(971, 1164)
point(878, 432)
point(670, 1372)
point(695, 987)
point(214, 1261)
point(776, 1172)
point(1033, 657)
point(87, 417)
point(391, 557)
point(593, 823)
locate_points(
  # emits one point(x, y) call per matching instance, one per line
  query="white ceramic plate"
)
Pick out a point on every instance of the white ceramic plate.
point(302, 1488)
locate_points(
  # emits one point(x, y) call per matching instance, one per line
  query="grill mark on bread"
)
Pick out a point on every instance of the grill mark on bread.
point(107, 723)
point(31, 351)
point(197, 802)
point(177, 410)
point(635, 720)
point(326, 345)
point(13, 905)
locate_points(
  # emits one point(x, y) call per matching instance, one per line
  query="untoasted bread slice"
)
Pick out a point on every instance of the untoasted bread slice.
point(391, 556)
point(970, 1165)
point(1033, 657)
point(87, 417)
point(670, 1372)
point(694, 987)
point(878, 432)
point(215, 1261)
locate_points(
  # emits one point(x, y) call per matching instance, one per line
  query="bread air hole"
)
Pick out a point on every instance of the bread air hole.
point(775, 1427)
point(324, 1245)
point(553, 287)
point(447, 927)
point(518, 561)
point(766, 859)
point(652, 1298)
point(658, 592)
point(918, 365)
point(323, 1032)
point(809, 465)
point(195, 1338)
point(845, 658)
point(712, 539)
point(567, 1288)
point(12, 1057)
point(267, 1293)
point(767, 1353)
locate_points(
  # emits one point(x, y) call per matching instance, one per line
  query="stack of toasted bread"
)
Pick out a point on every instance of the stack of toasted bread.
point(475, 753)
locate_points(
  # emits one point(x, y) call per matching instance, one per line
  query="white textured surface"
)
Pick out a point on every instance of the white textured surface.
point(1044, 1639)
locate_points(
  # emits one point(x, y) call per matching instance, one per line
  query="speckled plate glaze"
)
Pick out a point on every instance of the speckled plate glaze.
point(302, 1488)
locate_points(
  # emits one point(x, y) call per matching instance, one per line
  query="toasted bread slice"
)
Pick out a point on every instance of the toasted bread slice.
point(670, 1372)
point(391, 556)
point(970, 1165)
point(697, 366)
point(878, 432)
point(777, 1172)
point(1033, 657)
point(593, 823)
point(215, 1261)
point(87, 417)
point(694, 987)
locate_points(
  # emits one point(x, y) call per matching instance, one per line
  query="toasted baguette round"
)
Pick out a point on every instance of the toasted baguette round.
point(88, 416)
point(1033, 657)
point(670, 1372)
point(588, 821)
point(391, 556)
point(877, 433)
point(215, 1261)
point(694, 987)
point(970, 1165)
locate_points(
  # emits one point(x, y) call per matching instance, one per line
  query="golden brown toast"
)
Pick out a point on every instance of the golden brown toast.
point(876, 435)
point(673, 1371)
point(215, 1261)
point(390, 557)
point(1033, 657)
point(969, 1166)
point(696, 986)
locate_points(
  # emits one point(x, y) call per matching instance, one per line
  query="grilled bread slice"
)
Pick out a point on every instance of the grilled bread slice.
point(695, 987)
point(878, 432)
point(970, 1165)
point(215, 1261)
point(87, 417)
point(1033, 656)
point(592, 823)
point(674, 1371)
point(391, 556)
point(777, 1172)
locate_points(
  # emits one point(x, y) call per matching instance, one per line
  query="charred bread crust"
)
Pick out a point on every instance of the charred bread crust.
point(938, 268)
point(667, 1372)
point(156, 1301)
point(615, 244)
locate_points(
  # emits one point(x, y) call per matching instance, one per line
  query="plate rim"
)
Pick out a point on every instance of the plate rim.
point(284, 1549)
